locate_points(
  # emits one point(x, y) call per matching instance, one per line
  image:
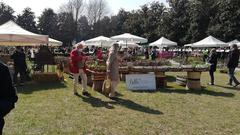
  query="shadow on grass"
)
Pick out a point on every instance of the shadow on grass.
point(228, 87)
point(30, 88)
point(198, 92)
point(134, 106)
point(95, 102)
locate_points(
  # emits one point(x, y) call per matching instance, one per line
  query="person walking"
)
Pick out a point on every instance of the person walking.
point(78, 68)
point(113, 68)
point(233, 59)
point(8, 95)
point(146, 53)
point(212, 60)
point(20, 65)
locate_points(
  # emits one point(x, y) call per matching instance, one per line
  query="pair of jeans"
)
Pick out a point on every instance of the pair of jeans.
point(211, 73)
point(83, 76)
point(22, 72)
point(232, 78)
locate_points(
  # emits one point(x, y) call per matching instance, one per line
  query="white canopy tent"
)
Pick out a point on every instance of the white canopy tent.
point(54, 42)
point(234, 42)
point(100, 41)
point(12, 34)
point(129, 44)
point(163, 42)
point(127, 37)
point(209, 42)
point(188, 45)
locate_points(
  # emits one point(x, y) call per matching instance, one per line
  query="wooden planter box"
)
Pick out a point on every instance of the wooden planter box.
point(89, 79)
point(45, 77)
point(161, 81)
point(97, 78)
point(193, 81)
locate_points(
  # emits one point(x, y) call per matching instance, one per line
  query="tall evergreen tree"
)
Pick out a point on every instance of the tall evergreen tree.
point(27, 20)
point(200, 15)
point(84, 29)
point(179, 22)
point(67, 28)
point(48, 23)
point(6, 13)
point(225, 24)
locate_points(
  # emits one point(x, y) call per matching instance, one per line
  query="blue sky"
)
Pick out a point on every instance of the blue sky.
point(38, 5)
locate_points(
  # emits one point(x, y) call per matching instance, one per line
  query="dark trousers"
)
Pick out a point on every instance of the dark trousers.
point(232, 78)
point(22, 72)
point(211, 73)
point(5, 107)
point(1, 125)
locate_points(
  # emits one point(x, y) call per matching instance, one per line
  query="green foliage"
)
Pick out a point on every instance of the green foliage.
point(48, 23)
point(183, 21)
point(27, 20)
point(6, 13)
point(225, 24)
point(66, 27)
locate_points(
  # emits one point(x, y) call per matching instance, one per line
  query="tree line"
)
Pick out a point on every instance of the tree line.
point(183, 21)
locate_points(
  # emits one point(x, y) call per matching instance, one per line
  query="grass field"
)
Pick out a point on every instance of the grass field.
point(51, 109)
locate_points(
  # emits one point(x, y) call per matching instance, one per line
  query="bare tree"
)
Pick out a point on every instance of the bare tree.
point(73, 6)
point(96, 10)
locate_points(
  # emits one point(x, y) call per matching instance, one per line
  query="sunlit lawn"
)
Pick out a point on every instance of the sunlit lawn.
point(52, 109)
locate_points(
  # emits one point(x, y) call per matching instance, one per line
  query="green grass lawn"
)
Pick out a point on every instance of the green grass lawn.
point(51, 109)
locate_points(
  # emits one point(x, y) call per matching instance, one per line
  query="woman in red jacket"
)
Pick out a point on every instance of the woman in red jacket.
point(77, 67)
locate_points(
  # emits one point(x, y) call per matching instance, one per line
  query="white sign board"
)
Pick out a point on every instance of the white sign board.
point(141, 82)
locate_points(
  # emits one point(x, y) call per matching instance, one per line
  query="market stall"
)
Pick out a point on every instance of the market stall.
point(12, 35)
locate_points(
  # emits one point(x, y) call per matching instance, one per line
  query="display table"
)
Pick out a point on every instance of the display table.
point(193, 74)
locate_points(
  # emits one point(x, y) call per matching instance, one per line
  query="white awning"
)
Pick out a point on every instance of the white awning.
point(12, 34)
point(209, 42)
point(127, 37)
point(163, 42)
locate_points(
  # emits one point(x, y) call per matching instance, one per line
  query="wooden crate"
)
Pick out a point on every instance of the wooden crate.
point(45, 77)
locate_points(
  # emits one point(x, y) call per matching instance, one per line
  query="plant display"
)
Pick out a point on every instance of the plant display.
point(97, 66)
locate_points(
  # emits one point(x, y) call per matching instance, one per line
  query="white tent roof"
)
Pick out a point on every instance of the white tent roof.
point(163, 42)
point(127, 37)
point(12, 34)
point(234, 42)
point(209, 42)
point(100, 41)
point(188, 45)
point(54, 42)
point(128, 44)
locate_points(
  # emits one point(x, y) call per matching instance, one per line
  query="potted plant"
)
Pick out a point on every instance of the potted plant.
point(98, 74)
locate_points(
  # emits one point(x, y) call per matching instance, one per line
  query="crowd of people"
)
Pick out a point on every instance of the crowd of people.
point(232, 64)
point(78, 67)
point(78, 58)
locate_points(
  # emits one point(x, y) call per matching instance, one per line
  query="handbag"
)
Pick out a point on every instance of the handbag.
point(106, 88)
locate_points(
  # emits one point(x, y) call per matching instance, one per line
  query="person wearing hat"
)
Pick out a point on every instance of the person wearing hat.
point(233, 59)
point(78, 68)
point(212, 60)
point(113, 68)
